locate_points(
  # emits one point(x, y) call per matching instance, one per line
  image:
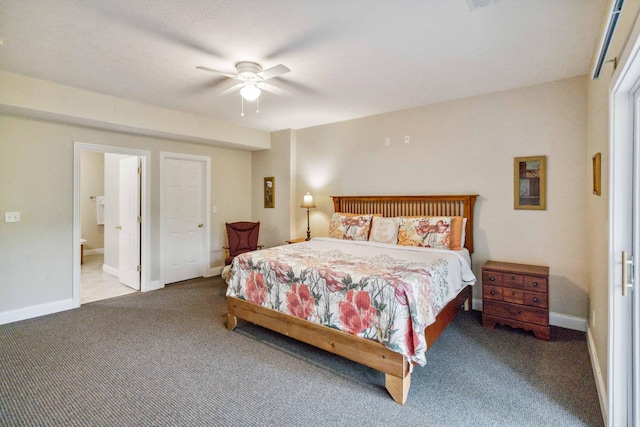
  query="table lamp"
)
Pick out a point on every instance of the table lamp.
point(307, 202)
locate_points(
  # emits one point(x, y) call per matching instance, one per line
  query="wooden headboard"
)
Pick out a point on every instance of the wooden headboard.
point(445, 205)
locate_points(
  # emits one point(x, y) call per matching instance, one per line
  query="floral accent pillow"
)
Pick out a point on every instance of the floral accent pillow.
point(349, 226)
point(429, 232)
point(384, 230)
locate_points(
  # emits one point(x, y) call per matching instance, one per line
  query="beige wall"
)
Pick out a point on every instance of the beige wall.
point(468, 146)
point(36, 176)
point(598, 206)
point(92, 179)
point(277, 162)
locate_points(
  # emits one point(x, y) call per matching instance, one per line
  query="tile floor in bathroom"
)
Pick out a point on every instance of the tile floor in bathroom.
point(95, 284)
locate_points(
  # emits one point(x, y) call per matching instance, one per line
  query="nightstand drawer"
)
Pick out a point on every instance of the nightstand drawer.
point(492, 292)
point(538, 284)
point(491, 278)
point(513, 280)
point(520, 313)
point(536, 299)
point(515, 296)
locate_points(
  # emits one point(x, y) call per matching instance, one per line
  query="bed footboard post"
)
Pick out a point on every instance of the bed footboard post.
point(468, 302)
point(232, 321)
point(398, 387)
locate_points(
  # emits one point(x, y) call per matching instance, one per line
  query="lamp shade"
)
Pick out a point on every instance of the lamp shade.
point(307, 202)
point(250, 92)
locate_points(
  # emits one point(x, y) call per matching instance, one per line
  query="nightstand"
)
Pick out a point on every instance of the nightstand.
point(516, 295)
point(298, 240)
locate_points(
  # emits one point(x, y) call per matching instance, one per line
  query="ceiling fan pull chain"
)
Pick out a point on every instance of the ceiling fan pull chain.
point(242, 106)
point(257, 105)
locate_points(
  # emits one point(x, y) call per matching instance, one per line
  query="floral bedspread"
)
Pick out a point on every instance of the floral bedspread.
point(378, 291)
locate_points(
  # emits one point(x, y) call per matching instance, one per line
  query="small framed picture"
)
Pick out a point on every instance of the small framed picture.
point(270, 192)
point(596, 174)
point(530, 182)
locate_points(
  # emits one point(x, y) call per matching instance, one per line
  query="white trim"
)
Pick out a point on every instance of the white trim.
point(110, 270)
point(621, 125)
point(97, 251)
point(145, 241)
point(154, 285)
point(206, 241)
point(568, 321)
point(36, 311)
point(597, 373)
point(215, 271)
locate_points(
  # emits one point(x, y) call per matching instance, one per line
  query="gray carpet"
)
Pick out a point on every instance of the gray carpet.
point(165, 358)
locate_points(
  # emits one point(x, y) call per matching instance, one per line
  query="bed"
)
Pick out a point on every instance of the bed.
point(308, 290)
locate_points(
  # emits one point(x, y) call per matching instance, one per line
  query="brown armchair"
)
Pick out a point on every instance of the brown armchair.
point(243, 237)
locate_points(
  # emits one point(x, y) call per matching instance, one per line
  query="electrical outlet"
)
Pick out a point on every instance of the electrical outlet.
point(387, 142)
point(12, 217)
point(407, 139)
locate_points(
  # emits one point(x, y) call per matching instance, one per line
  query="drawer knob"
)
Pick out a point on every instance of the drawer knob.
point(535, 299)
point(513, 277)
point(492, 292)
point(515, 313)
point(492, 279)
point(535, 284)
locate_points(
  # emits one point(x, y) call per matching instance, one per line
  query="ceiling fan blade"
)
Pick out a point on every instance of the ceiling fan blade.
point(268, 87)
point(278, 70)
point(231, 86)
point(211, 70)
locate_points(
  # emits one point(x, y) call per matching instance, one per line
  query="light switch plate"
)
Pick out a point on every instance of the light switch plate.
point(12, 217)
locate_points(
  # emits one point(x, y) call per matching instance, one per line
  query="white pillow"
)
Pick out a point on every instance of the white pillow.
point(384, 230)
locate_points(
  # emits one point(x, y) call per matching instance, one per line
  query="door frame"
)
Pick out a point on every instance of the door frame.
point(625, 82)
point(145, 238)
point(206, 204)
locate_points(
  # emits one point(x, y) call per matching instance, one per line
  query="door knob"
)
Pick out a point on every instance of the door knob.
point(118, 227)
point(200, 225)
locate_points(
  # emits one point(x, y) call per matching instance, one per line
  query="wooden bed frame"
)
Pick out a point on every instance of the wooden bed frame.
point(364, 351)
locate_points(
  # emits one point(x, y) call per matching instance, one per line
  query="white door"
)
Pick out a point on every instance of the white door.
point(129, 223)
point(183, 210)
point(624, 276)
point(633, 294)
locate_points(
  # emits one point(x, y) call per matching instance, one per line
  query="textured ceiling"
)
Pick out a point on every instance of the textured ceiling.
point(348, 58)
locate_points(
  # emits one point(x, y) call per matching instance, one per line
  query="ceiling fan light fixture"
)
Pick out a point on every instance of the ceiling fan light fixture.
point(250, 92)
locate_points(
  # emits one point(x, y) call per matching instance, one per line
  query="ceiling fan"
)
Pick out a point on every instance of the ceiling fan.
point(251, 79)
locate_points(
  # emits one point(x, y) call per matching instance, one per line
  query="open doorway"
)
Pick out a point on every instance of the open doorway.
point(121, 226)
point(105, 179)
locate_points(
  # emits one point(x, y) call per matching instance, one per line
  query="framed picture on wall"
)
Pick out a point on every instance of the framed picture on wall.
point(530, 182)
point(596, 174)
point(270, 192)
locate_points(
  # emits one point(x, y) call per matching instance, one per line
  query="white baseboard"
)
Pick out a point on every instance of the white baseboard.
point(97, 251)
point(154, 285)
point(215, 271)
point(111, 270)
point(555, 319)
point(567, 321)
point(35, 311)
point(597, 373)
